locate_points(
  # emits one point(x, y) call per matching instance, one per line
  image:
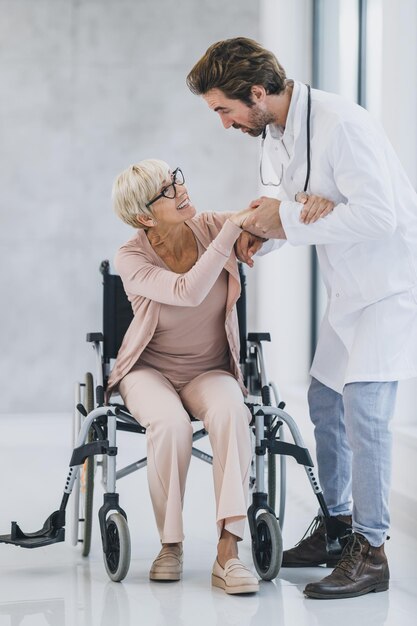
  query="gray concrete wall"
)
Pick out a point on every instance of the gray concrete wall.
point(88, 87)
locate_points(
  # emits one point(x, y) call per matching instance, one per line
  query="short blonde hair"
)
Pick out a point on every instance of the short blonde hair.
point(136, 186)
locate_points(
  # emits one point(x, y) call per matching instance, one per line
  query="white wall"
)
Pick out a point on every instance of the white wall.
point(88, 87)
point(392, 97)
point(399, 80)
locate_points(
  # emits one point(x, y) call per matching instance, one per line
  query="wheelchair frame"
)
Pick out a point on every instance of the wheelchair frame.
point(97, 436)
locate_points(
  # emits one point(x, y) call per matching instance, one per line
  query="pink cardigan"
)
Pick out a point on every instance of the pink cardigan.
point(148, 284)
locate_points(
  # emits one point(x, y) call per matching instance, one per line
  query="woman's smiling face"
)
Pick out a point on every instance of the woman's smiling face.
point(168, 210)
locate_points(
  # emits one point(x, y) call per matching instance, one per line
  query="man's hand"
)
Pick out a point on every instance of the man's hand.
point(246, 246)
point(264, 220)
point(239, 217)
point(314, 208)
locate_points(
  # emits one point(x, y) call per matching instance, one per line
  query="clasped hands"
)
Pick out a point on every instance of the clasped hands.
point(261, 221)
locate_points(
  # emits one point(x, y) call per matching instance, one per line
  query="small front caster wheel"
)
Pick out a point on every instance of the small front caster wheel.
point(117, 557)
point(267, 551)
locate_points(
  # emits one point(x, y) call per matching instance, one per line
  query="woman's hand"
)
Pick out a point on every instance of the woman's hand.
point(246, 246)
point(314, 208)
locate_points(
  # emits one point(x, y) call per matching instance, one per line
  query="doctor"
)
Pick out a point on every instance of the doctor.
point(321, 148)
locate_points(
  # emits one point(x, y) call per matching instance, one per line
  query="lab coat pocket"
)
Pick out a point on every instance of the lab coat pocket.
point(346, 282)
point(353, 268)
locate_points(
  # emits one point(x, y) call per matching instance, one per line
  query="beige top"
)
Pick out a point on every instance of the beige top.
point(190, 340)
point(149, 286)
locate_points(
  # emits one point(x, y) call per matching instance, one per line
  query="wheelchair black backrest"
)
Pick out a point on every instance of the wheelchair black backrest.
point(117, 313)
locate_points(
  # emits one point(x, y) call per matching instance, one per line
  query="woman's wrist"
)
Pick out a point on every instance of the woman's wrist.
point(237, 220)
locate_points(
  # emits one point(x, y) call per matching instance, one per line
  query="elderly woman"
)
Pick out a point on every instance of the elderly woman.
point(180, 357)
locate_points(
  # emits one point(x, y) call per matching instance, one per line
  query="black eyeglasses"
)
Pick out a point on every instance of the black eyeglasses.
point(170, 191)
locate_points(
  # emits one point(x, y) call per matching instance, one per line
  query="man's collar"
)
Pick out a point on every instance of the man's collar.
point(294, 115)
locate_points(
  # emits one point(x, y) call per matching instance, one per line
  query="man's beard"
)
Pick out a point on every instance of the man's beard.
point(258, 119)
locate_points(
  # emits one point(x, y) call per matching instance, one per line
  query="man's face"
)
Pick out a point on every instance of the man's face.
point(249, 119)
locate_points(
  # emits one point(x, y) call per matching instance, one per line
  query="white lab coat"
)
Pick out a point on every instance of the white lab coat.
point(367, 247)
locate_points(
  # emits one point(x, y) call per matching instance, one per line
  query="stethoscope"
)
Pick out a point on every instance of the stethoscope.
point(300, 195)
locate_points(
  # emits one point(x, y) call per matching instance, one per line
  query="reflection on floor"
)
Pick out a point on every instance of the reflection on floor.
point(56, 586)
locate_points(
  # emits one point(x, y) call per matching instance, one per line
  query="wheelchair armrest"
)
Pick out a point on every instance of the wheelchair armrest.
point(95, 337)
point(259, 337)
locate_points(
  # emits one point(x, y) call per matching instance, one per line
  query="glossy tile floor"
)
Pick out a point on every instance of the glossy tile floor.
point(56, 586)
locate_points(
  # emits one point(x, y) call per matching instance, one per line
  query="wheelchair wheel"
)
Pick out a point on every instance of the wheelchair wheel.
point(87, 474)
point(117, 557)
point(268, 557)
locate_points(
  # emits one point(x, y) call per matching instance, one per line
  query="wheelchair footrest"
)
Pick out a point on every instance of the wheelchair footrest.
point(52, 531)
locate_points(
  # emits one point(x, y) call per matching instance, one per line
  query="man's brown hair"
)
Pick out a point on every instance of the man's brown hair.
point(234, 66)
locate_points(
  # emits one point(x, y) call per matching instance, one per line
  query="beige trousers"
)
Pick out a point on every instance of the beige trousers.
point(216, 399)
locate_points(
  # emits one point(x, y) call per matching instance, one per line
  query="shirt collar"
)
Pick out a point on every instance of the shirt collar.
point(294, 116)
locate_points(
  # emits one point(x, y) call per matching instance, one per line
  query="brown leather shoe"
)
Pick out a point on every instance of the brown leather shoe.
point(312, 551)
point(362, 568)
point(168, 563)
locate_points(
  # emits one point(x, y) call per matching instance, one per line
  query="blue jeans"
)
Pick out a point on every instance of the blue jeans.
point(354, 444)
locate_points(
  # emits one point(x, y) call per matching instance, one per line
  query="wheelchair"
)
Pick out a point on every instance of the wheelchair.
point(95, 425)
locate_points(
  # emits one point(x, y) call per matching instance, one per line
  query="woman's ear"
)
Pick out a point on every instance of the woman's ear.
point(145, 221)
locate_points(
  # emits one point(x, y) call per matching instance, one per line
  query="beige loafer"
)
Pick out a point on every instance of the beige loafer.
point(234, 578)
point(168, 564)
